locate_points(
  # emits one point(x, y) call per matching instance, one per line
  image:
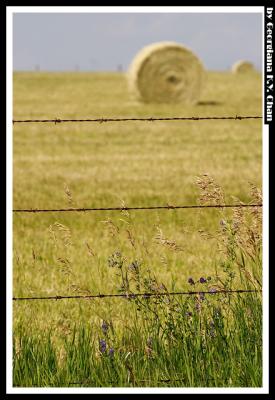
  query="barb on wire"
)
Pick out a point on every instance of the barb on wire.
point(150, 119)
point(134, 295)
point(167, 207)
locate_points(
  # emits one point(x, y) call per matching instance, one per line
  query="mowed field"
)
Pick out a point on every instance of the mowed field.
point(114, 164)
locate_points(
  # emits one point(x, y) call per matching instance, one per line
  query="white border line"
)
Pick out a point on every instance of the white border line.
point(135, 9)
point(265, 146)
point(265, 181)
point(149, 390)
point(265, 258)
point(9, 174)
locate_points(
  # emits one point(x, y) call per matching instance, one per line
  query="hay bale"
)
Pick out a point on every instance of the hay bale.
point(242, 67)
point(166, 72)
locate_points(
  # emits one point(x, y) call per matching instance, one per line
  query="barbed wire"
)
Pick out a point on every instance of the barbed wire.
point(149, 119)
point(134, 295)
point(136, 380)
point(167, 207)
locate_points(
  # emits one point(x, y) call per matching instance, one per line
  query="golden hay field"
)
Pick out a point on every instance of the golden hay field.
point(115, 164)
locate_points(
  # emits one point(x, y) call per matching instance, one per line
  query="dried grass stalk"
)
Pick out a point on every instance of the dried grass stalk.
point(166, 72)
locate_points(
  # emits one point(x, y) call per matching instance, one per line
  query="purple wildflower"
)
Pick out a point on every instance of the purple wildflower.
point(191, 281)
point(149, 347)
point(203, 280)
point(188, 314)
point(102, 346)
point(202, 296)
point(198, 306)
point(104, 327)
point(134, 266)
point(111, 352)
point(213, 290)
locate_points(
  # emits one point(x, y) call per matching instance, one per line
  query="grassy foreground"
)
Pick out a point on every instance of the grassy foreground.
point(211, 340)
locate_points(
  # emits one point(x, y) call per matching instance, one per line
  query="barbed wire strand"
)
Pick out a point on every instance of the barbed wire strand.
point(137, 380)
point(134, 295)
point(149, 119)
point(168, 207)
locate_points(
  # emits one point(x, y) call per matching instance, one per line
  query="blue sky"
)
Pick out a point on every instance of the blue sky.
point(103, 41)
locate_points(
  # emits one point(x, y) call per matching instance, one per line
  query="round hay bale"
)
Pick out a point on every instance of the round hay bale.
point(242, 67)
point(166, 72)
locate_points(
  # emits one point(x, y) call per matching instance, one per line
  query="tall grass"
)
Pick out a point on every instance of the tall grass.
point(200, 340)
point(176, 345)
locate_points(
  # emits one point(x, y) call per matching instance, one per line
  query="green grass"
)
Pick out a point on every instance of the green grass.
point(171, 350)
point(137, 164)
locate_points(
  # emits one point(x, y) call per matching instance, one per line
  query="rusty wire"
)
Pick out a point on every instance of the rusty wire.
point(136, 380)
point(134, 295)
point(166, 207)
point(149, 119)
